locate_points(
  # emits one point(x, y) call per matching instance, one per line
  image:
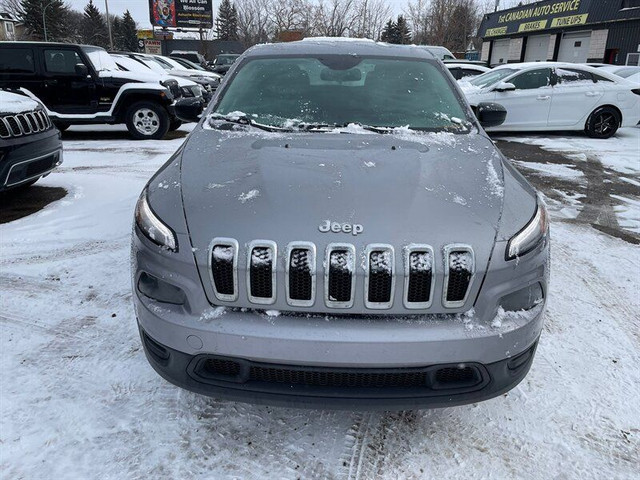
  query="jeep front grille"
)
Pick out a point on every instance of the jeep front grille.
point(459, 268)
point(418, 271)
point(224, 268)
point(340, 275)
point(339, 269)
point(261, 274)
point(379, 277)
point(17, 125)
point(301, 274)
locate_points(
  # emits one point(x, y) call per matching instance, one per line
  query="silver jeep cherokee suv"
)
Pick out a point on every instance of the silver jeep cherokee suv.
point(339, 231)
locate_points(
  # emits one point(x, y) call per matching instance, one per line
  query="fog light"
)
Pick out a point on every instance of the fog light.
point(524, 299)
point(160, 290)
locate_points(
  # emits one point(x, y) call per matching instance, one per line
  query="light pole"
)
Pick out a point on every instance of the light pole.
point(44, 19)
point(106, 7)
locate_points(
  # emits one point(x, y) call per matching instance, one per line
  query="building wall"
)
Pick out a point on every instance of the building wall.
point(515, 49)
point(625, 37)
point(484, 56)
point(552, 46)
point(598, 45)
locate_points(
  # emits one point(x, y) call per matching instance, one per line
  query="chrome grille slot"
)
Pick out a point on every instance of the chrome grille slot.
point(224, 268)
point(419, 275)
point(261, 272)
point(23, 124)
point(340, 278)
point(459, 272)
point(380, 276)
point(301, 274)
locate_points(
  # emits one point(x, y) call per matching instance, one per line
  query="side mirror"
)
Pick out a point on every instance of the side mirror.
point(491, 114)
point(81, 69)
point(505, 87)
point(189, 109)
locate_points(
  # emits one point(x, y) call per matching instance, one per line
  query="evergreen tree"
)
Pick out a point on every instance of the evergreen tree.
point(388, 32)
point(94, 27)
point(128, 33)
point(55, 14)
point(116, 32)
point(403, 34)
point(227, 21)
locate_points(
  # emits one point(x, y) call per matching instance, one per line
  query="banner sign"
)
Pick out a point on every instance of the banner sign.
point(181, 13)
point(536, 17)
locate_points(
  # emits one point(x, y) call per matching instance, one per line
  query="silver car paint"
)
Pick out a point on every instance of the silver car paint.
point(411, 195)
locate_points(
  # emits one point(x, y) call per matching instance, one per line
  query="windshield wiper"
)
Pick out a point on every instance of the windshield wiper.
point(326, 127)
point(244, 119)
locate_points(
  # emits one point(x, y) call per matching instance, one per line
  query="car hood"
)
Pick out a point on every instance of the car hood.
point(142, 77)
point(14, 103)
point(436, 189)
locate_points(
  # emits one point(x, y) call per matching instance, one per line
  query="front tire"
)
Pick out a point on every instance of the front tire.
point(147, 120)
point(603, 123)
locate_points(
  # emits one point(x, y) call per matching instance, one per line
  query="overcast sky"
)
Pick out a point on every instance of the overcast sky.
point(140, 8)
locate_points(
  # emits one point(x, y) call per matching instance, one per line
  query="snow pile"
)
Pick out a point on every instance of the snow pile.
point(223, 253)
point(250, 195)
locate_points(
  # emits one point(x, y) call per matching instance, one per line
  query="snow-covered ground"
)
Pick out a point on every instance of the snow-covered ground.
point(78, 399)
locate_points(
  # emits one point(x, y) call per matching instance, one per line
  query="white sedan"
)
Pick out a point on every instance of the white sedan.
point(549, 96)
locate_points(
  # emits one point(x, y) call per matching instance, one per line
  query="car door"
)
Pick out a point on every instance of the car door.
point(65, 90)
point(575, 95)
point(529, 104)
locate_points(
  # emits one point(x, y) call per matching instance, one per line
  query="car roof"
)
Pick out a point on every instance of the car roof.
point(337, 45)
point(467, 65)
point(48, 44)
point(525, 65)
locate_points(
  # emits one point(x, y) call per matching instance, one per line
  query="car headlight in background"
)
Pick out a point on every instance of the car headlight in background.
point(531, 235)
point(152, 226)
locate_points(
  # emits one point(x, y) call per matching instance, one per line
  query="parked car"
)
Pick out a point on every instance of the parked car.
point(439, 52)
point(81, 84)
point(189, 88)
point(167, 66)
point(192, 56)
point(624, 71)
point(348, 242)
point(465, 70)
point(222, 63)
point(551, 96)
point(30, 146)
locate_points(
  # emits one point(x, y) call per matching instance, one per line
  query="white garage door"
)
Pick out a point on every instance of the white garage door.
point(500, 52)
point(537, 48)
point(574, 47)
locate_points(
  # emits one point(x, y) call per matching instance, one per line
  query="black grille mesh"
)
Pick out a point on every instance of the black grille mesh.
point(420, 277)
point(13, 125)
point(460, 265)
point(436, 378)
point(380, 276)
point(340, 266)
point(328, 378)
point(4, 131)
point(222, 268)
point(260, 272)
point(300, 280)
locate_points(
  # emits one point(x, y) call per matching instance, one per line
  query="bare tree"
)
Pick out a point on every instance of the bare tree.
point(254, 21)
point(335, 18)
point(371, 16)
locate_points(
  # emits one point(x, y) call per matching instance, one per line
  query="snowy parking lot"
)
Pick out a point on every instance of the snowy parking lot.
point(79, 400)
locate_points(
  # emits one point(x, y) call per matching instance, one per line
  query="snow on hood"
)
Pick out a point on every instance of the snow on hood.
point(14, 103)
point(145, 77)
point(420, 188)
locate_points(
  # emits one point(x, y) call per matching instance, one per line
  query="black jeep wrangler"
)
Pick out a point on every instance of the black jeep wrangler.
point(81, 84)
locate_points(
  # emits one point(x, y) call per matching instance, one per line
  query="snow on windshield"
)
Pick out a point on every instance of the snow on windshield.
point(492, 77)
point(339, 90)
point(100, 59)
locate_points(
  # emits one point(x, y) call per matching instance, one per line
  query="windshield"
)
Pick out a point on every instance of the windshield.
point(189, 64)
point(100, 59)
point(129, 64)
point(170, 63)
point(225, 59)
point(494, 76)
point(338, 90)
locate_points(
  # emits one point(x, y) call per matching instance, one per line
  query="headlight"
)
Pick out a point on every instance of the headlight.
point(187, 92)
point(531, 235)
point(152, 226)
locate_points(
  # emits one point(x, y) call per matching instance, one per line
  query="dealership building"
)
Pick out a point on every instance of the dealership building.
point(579, 31)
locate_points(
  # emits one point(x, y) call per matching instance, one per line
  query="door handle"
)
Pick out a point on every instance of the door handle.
point(592, 94)
point(544, 97)
point(51, 82)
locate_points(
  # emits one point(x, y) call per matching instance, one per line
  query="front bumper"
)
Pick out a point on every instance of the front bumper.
point(433, 386)
point(28, 157)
